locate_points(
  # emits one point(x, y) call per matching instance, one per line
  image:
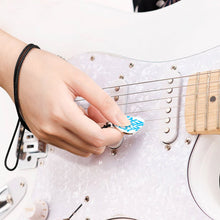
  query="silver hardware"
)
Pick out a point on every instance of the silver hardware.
point(188, 141)
point(195, 103)
point(172, 110)
point(169, 100)
point(167, 130)
point(167, 120)
point(114, 92)
point(170, 81)
point(6, 200)
point(169, 91)
point(10, 195)
point(116, 146)
point(92, 58)
point(168, 110)
point(31, 150)
point(131, 65)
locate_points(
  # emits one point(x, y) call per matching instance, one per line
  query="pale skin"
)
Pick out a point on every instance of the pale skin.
point(48, 86)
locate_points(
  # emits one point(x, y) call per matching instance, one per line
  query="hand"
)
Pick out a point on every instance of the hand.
point(48, 86)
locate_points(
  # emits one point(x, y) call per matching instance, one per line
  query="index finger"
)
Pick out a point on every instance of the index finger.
point(89, 90)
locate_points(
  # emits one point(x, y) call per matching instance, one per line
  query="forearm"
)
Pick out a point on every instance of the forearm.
point(10, 48)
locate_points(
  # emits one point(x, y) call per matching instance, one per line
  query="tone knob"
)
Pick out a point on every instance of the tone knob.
point(37, 211)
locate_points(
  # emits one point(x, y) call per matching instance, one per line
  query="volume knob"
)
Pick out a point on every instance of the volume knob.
point(37, 211)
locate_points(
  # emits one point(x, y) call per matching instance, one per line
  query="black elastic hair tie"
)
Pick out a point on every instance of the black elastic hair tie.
point(18, 66)
point(21, 120)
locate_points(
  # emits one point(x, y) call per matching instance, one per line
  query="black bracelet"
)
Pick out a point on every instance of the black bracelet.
point(21, 121)
point(18, 66)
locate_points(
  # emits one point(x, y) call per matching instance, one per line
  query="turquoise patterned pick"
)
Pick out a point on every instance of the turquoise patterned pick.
point(136, 124)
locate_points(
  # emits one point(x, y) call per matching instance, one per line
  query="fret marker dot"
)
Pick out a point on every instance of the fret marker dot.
point(212, 99)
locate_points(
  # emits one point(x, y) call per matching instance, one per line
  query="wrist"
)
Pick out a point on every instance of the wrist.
point(9, 53)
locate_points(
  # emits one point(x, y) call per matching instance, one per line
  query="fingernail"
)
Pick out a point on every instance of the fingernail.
point(122, 120)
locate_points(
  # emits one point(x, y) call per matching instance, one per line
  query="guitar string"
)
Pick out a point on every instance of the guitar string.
point(154, 90)
point(159, 80)
point(159, 99)
point(155, 109)
point(174, 117)
point(166, 125)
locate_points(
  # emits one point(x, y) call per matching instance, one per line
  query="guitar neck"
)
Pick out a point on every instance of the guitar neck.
point(202, 106)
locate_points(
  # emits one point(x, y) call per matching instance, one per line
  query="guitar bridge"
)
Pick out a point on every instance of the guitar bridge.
point(31, 150)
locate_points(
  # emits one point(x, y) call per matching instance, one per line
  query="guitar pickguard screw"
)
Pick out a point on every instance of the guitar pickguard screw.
point(51, 149)
point(92, 58)
point(173, 67)
point(168, 147)
point(117, 88)
point(121, 77)
point(131, 65)
point(87, 198)
point(116, 98)
point(114, 152)
point(41, 163)
point(22, 184)
point(188, 141)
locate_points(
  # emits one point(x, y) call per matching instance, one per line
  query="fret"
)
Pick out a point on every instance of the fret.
point(207, 101)
point(218, 97)
point(196, 100)
point(202, 104)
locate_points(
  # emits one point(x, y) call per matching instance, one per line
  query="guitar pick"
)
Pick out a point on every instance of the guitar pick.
point(136, 124)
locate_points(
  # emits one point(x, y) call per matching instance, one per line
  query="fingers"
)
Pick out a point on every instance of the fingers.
point(85, 128)
point(67, 141)
point(78, 143)
point(99, 98)
point(62, 144)
point(96, 115)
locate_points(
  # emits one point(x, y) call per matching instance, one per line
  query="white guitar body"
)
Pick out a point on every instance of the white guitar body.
point(144, 178)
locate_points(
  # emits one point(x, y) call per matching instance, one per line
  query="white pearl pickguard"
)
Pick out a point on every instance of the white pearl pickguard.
point(143, 180)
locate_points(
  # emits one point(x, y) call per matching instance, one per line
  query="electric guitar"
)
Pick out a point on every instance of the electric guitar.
point(165, 171)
